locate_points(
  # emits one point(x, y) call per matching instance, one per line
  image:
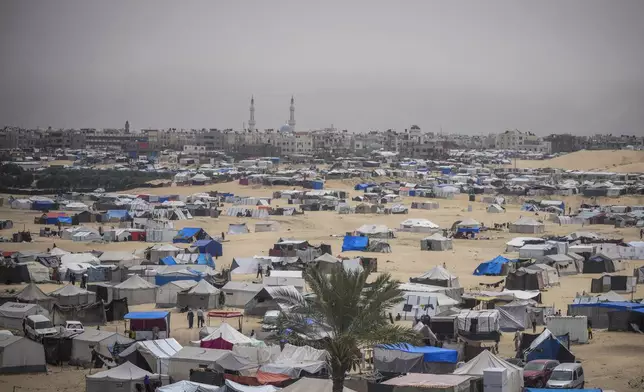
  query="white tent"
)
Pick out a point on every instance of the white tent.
point(495, 209)
point(292, 360)
point(100, 341)
point(76, 206)
point(122, 258)
point(71, 295)
point(167, 294)
point(21, 204)
point(190, 386)
point(202, 295)
point(486, 360)
point(188, 358)
point(285, 278)
point(249, 265)
point(137, 291)
point(238, 228)
point(155, 352)
point(21, 355)
point(483, 321)
point(89, 235)
point(58, 252)
point(550, 273)
point(437, 276)
point(436, 242)
point(374, 231)
point(266, 226)
point(239, 293)
point(158, 252)
point(12, 313)
point(77, 258)
point(419, 226)
point(527, 225)
point(122, 378)
point(231, 335)
point(518, 242)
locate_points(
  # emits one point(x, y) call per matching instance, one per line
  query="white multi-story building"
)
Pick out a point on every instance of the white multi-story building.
point(521, 141)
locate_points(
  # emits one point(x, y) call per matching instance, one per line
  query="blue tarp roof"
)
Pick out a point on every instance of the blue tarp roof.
point(354, 243)
point(431, 354)
point(614, 305)
point(168, 260)
point(491, 267)
point(146, 315)
point(186, 233)
point(201, 242)
point(65, 219)
point(117, 214)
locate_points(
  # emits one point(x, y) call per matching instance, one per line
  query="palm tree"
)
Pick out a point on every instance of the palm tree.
point(342, 314)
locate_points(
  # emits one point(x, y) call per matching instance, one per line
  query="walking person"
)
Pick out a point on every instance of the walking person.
point(200, 319)
point(260, 272)
point(589, 324)
point(191, 318)
point(223, 237)
point(534, 326)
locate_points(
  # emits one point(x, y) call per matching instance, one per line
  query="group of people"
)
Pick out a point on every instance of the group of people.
point(260, 271)
point(201, 322)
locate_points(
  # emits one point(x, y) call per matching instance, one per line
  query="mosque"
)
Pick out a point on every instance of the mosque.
point(288, 127)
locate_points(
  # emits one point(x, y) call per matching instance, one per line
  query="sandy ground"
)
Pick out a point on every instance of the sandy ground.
point(609, 360)
point(619, 161)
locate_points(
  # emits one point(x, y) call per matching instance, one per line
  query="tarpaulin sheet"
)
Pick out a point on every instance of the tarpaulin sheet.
point(491, 267)
point(354, 243)
point(430, 353)
point(185, 234)
point(168, 260)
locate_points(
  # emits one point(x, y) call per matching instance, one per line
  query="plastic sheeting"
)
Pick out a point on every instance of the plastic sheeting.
point(351, 243)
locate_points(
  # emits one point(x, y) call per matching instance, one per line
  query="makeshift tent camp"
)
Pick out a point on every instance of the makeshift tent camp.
point(151, 355)
point(601, 263)
point(167, 294)
point(547, 346)
point(225, 337)
point(292, 361)
point(188, 358)
point(32, 294)
point(437, 276)
point(575, 327)
point(202, 295)
point(404, 358)
point(21, 355)
point(351, 243)
point(478, 324)
point(71, 295)
point(514, 316)
point(94, 340)
point(173, 275)
point(327, 263)
point(525, 279)
point(497, 266)
point(267, 299)
point(249, 265)
point(527, 225)
point(121, 258)
point(123, 378)
point(188, 235)
point(158, 252)
point(12, 314)
point(137, 291)
point(88, 314)
point(467, 226)
point(238, 228)
point(495, 209)
point(436, 242)
point(550, 274)
point(210, 247)
point(486, 360)
point(419, 226)
point(238, 294)
point(375, 231)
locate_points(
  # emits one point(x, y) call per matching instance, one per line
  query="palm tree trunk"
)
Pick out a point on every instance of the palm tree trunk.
point(337, 376)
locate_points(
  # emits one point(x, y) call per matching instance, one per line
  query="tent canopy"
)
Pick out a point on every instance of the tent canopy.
point(430, 353)
point(354, 243)
point(491, 267)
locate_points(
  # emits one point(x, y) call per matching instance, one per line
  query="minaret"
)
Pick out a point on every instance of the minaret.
point(251, 121)
point(291, 121)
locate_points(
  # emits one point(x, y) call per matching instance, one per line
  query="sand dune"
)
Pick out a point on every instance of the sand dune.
point(620, 161)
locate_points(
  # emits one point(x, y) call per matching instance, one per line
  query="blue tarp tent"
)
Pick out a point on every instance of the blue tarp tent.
point(354, 243)
point(430, 353)
point(211, 247)
point(117, 214)
point(529, 207)
point(168, 260)
point(146, 315)
point(65, 220)
point(189, 234)
point(42, 205)
point(205, 259)
point(186, 274)
point(547, 346)
point(491, 267)
point(317, 184)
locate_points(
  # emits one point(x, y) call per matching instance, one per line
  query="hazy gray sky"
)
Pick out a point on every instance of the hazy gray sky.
point(469, 66)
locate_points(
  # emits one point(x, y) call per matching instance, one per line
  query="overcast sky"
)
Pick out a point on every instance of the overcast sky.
point(473, 67)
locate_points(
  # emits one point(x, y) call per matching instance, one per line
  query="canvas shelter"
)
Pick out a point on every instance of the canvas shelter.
point(437, 276)
point(151, 355)
point(172, 275)
point(293, 360)
point(97, 340)
point(479, 324)
point(525, 279)
point(374, 231)
point(550, 274)
point(514, 316)
point(249, 265)
point(34, 295)
point(547, 346)
point(12, 313)
point(120, 258)
point(285, 278)
point(495, 209)
point(434, 382)
point(137, 291)
point(122, 378)
point(21, 355)
point(486, 360)
point(601, 263)
point(419, 226)
point(188, 358)
point(202, 295)
point(226, 337)
point(527, 225)
point(405, 358)
point(619, 283)
point(238, 294)
point(267, 299)
point(71, 295)
point(495, 267)
point(158, 252)
point(355, 243)
point(211, 247)
point(238, 228)
point(167, 294)
point(575, 327)
point(467, 226)
point(436, 242)
point(327, 263)
point(188, 235)
point(565, 264)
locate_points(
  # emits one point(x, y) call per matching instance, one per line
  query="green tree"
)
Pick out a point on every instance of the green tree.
point(343, 314)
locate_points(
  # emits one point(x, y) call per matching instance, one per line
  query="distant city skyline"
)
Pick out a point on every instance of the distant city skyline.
point(464, 67)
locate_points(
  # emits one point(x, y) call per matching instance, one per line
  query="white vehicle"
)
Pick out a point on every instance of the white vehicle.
point(38, 326)
point(74, 327)
point(270, 320)
point(567, 376)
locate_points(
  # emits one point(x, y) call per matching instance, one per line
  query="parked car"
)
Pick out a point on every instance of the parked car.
point(567, 376)
point(269, 323)
point(74, 327)
point(537, 373)
point(38, 326)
